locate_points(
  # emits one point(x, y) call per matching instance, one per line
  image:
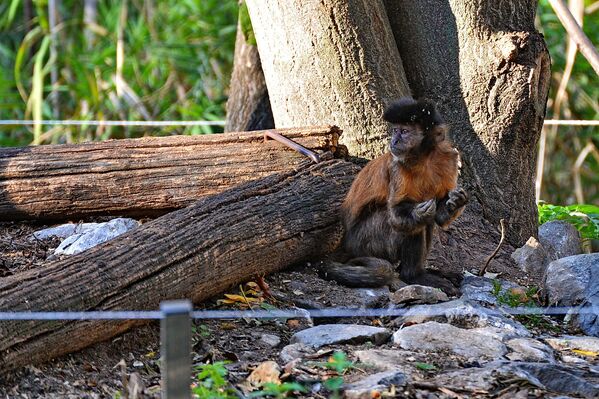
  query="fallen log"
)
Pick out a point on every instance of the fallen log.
point(141, 177)
point(197, 252)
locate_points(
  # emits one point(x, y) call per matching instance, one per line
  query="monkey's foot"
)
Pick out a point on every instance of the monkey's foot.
point(447, 283)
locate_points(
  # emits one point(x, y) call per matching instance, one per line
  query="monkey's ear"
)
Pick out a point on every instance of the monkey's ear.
point(439, 133)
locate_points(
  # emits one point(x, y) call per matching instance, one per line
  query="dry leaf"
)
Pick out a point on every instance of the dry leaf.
point(268, 371)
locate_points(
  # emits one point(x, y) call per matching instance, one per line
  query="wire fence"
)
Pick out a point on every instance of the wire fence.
point(176, 316)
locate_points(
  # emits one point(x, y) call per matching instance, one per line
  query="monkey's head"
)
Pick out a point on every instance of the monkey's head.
point(416, 128)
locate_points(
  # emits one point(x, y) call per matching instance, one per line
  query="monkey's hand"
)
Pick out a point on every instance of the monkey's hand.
point(451, 206)
point(409, 217)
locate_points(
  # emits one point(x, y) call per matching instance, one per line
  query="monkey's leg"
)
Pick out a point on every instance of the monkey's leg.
point(414, 250)
point(359, 272)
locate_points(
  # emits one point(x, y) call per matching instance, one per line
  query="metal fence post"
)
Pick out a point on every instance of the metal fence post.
point(175, 349)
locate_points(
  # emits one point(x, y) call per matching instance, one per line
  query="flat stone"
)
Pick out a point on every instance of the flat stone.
point(465, 314)
point(568, 279)
point(270, 340)
point(389, 359)
point(294, 351)
point(94, 234)
point(433, 336)
point(570, 343)
point(329, 334)
point(560, 239)
point(373, 385)
point(418, 294)
point(532, 257)
point(559, 379)
point(529, 350)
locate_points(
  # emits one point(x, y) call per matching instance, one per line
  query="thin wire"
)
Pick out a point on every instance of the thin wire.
point(571, 122)
point(16, 122)
point(281, 313)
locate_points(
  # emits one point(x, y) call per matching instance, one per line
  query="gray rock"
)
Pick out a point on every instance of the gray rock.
point(369, 386)
point(569, 343)
point(529, 350)
point(270, 340)
point(390, 359)
point(94, 234)
point(480, 289)
point(560, 239)
point(559, 379)
point(461, 313)
point(328, 334)
point(532, 257)
point(370, 297)
point(433, 336)
point(294, 351)
point(417, 294)
point(568, 278)
point(65, 230)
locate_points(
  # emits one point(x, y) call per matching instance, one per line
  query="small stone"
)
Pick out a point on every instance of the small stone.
point(328, 334)
point(418, 294)
point(389, 359)
point(270, 340)
point(294, 351)
point(532, 257)
point(433, 336)
point(373, 385)
point(560, 239)
point(370, 297)
point(529, 350)
point(138, 364)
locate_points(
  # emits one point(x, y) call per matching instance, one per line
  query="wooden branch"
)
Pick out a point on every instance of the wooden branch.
point(148, 176)
point(585, 45)
point(196, 253)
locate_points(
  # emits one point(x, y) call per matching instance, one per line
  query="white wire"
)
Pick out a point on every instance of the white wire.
point(110, 123)
point(571, 122)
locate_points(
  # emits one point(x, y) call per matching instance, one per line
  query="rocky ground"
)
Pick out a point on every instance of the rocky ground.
point(466, 347)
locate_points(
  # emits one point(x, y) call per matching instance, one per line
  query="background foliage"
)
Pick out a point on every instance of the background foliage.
point(176, 65)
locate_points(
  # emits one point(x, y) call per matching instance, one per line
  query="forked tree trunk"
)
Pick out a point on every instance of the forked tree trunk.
point(333, 61)
point(482, 61)
point(487, 67)
point(248, 106)
point(253, 229)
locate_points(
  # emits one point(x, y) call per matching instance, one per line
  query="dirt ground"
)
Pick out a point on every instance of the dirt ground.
point(97, 372)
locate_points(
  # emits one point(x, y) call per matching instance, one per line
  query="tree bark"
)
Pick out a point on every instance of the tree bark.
point(330, 61)
point(253, 229)
point(148, 176)
point(248, 106)
point(487, 67)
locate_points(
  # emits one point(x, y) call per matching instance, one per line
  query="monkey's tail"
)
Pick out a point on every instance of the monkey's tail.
point(359, 272)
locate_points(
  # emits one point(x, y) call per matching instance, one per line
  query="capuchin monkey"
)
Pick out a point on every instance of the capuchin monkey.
point(394, 203)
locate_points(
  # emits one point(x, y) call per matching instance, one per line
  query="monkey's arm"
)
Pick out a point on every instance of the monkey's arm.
point(411, 217)
point(450, 207)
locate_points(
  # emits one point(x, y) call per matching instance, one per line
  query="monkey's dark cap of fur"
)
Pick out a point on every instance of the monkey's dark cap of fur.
point(406, 110)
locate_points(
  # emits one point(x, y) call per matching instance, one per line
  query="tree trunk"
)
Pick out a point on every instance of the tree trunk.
point(330, 61)
point(146, 176)
point(248, 106)
point(487, 67)
point(253, 229)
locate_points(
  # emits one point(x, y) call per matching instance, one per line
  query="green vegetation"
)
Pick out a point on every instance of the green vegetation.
point(278, 391)
point(212, 383)
point(584, 217)
point(176, 64)
point(579, 101)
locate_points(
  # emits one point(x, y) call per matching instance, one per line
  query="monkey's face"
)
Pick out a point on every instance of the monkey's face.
point(405, 139)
